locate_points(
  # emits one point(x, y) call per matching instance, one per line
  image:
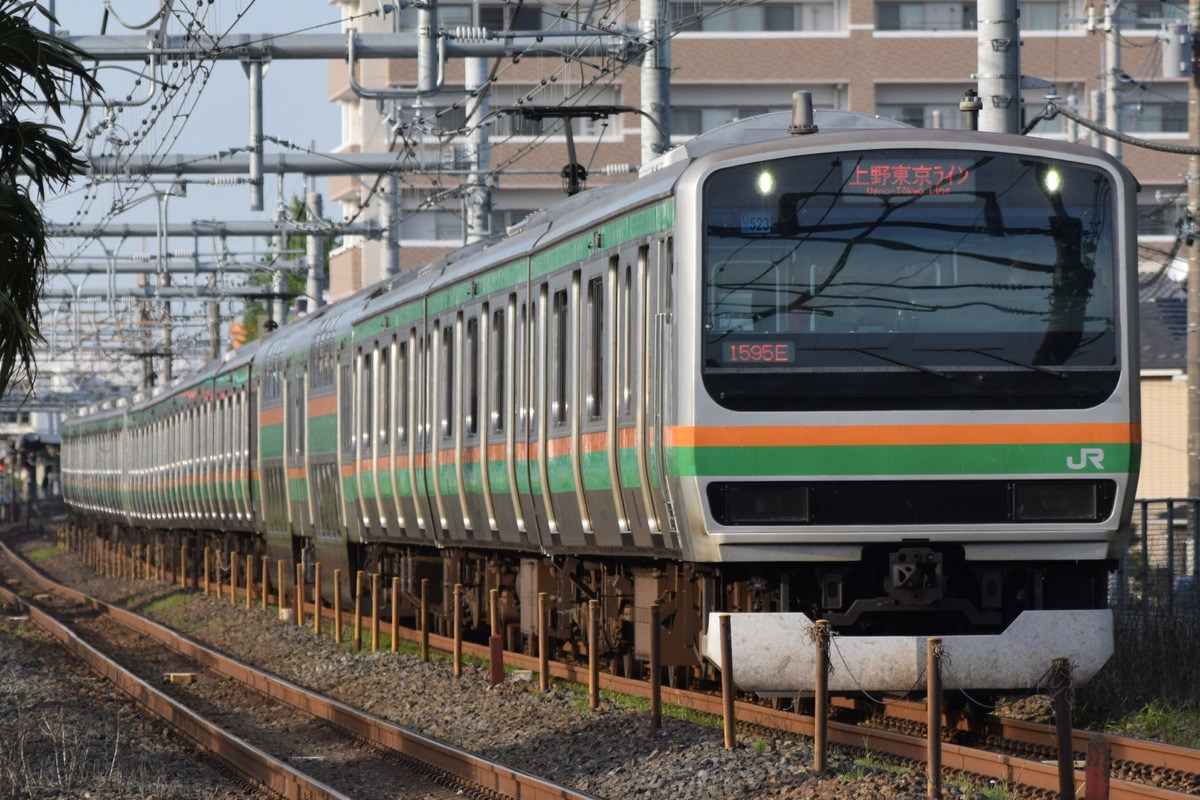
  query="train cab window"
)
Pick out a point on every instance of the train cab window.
point(910, 278)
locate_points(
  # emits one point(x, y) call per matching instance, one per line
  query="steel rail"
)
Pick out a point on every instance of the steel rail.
point(1031, 773)
point(246, 759)
point(462, 764)
point(1011, 769)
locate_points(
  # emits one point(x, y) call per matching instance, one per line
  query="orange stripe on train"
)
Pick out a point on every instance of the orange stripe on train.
point(868, 435)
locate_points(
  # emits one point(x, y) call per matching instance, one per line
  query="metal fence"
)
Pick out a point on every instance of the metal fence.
point(1161, 568)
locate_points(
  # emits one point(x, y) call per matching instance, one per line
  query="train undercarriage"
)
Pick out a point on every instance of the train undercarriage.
point(910, 591)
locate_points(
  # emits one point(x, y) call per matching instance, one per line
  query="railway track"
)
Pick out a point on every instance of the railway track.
point(288, 740)
point(1018, 754)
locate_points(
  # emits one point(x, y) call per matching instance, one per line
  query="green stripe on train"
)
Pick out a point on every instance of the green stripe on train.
point(271, 441)
point(1000, 459)
point(616, 233)
point(322, 434)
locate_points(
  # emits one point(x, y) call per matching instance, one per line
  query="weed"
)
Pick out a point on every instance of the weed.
point(43, 553)
point(1178, 726)
point(970, 786)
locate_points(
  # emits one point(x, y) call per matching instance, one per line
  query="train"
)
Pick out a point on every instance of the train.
point(805, 367)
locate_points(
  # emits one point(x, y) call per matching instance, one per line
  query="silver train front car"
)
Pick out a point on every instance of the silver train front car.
point(876, 375)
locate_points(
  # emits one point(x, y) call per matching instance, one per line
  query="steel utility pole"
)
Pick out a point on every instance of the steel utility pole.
point(999, 64)
point(1193, 275)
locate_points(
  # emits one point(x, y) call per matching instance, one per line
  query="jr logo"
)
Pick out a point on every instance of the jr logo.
point(1093, 454)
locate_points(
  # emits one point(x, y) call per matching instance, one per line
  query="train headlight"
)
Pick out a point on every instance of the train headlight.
point(1058, 502)
point(765, 183)
point(1052, 181)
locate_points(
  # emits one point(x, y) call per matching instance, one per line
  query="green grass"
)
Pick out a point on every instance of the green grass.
point(642, 705)
point(869, 762)
point(1177, 726)
point(170, 609)
point(43, 553)
point(970, 787)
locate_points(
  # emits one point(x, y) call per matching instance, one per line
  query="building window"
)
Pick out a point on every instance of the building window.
point(1149, 14)
point(925, 17)
point(1162, 219)
point(493, 16)
point(939, 115)
point(692, 17)
point(1158, 118)
point(1044, 16)
point(448, 226)
point(694, 121)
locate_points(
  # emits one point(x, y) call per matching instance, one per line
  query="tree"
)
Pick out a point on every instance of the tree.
point(295, 283)
point(36, 70)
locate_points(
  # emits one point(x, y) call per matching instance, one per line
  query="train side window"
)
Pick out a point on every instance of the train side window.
point(365, 398)
point(624, 334)
point(558, 359)
point(385, 398)
point(521, 357)
point(345, 388)
point(402, 389)
point(471, 412)
point(499, 384)
point(593, 347)
point(421, 396)
point(447, 381)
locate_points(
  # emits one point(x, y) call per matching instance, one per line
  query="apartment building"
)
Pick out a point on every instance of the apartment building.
point(907, 60)
point(910, 61)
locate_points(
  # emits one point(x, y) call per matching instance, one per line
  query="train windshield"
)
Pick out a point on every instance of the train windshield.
point(909, 278)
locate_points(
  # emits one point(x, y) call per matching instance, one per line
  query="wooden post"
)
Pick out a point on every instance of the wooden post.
point(207, 561)
point(727, 683)
point(495, 642)
point(655, 666)
point(543, 641)
point(249, 580)
point(279, 572)
point(424, 619)
point(266, 570)
point(821, 690)
point(593, 654)
point(299, 595)
point(337, 607)
point(317, 598)
point(1060, 684)
point(1099, 768)
point(395, 613)
point(374, 612)
point(358, 590)
point(183, 566)
point(933, 722)
point(233, 577)
point(458, 632)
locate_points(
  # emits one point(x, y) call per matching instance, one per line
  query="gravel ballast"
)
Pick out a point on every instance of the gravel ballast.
point(610, 752)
